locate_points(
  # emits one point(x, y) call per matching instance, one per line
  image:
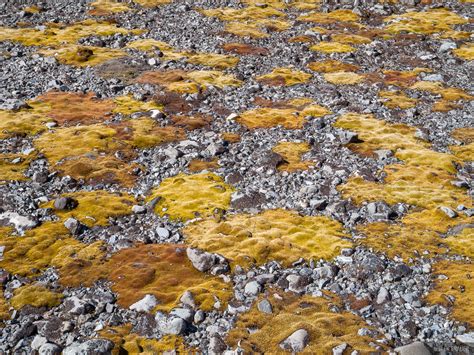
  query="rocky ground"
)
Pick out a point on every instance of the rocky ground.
point(236, 177)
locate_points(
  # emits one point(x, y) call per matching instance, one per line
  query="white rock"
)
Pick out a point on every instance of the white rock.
point(38, 341)
point(232, 117)
point(252, 288)
point(163, 233)
point(339, 350)
point(146, 304)
point(21, 223)
point(383, 295)
point(296, 342)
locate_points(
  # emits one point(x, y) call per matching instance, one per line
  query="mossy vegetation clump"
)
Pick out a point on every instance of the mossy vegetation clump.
point(185, 197)
point(279, 235)
point(326, 328)
point(284, 77)
point(292, 153)
point(36, 296)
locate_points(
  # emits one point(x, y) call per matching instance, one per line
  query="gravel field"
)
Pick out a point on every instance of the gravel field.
point(236, 177)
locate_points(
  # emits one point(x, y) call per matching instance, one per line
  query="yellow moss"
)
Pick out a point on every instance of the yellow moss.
point(130, 343)
point(284, 77)
point(36, 296)
point(292, 153)
point(326, 328)
point(466, 51)
point(423, 180)
point(74, 141)
point(243, 14)
point(278, 235)
point(42, 247)
point(332, 66)
point(416, 233)
point(445, 106)
point(463, 152)
point(350, 39)
point(26, 121)
point(107, 7)
point(126, 105)
point(55, 35)
point(82, 56)
point(292, 116)
point(188, 196)
point(215, 78)
point(4, 308)
point(330, 17)
point(152, 3)
point(220, 61)
point(458, 285)
point(449, 94)
point(462, 243)
point(96, 207)
point(344, 78)
point(426, 22)
point(397, 99)
point(332, 47)
point(465, 135)
point(10, 171)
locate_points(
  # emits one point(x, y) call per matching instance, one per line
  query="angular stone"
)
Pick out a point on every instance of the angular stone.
point(296, 342)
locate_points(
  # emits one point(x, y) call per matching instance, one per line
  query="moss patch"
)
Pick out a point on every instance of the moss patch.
point(458, 286)
point(326, 328)
point(292, 153)
point(284, 77)
point(278, 235)
point(344, 78)
point(36, 296)
point(188, 196)
point(332, 47)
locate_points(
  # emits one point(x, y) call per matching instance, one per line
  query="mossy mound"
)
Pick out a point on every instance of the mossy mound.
point(278, 235)
point(455, 289)
point(292, 153)
point(186, 197)
point(284, 77)
point(36, 296)
point(326, 328)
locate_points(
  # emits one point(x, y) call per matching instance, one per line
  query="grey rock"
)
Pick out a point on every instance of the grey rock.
point(38, 341)
point(448, 212)
point(265, 306)
point(252, 288)
point(216, 345)
point(183, 313)
point(296, 342)
point(92, 346)
point(73, 225)
point(203, 261)
point(199, 316)
point(138, 209)
point(188, 299)
point(339, 350)
point(383, 154)
point(416, 348)
point(65, 203)
point(49, 349)
point(162, 233)
point(297, 283)
point(383, 295)
point(446, 46)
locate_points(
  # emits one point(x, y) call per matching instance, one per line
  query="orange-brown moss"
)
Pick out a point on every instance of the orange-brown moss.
point(197, 165)
point(344, 78)
point(284, 77)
